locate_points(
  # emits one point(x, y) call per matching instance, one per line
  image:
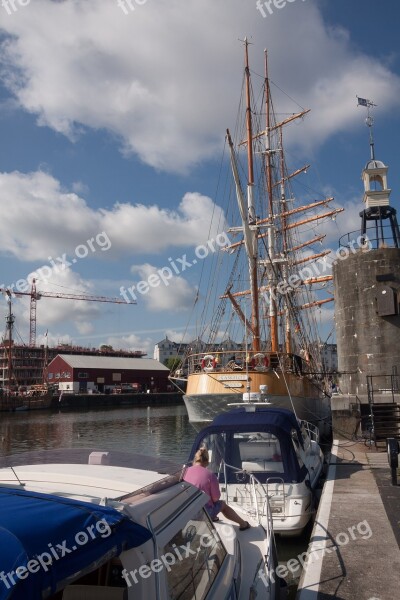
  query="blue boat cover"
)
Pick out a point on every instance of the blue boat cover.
point(277, 421)
point(44, 539)
point(275, 418)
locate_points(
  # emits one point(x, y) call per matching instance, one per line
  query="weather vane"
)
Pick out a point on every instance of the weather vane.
point(369, 121)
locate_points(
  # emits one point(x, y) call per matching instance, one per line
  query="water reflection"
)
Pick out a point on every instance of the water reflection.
point(158, 431)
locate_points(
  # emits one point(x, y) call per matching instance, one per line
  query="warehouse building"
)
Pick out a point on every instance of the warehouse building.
point(86, 374)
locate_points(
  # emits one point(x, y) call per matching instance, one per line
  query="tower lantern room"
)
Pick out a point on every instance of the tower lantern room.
point(379, 224)
point(376, 192)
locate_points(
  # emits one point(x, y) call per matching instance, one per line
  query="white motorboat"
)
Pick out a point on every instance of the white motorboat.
point(79, 526)
point(266, 460)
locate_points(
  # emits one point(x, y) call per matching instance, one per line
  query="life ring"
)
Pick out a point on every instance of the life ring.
point(208, 363)
point(261, 362)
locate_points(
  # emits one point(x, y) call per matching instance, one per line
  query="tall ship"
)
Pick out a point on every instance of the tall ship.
point(260, 343)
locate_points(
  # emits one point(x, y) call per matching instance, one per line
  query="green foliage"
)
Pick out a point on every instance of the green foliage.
point(173, 363)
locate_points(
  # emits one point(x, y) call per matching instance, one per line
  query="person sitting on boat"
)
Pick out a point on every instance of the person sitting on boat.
point(199, 476)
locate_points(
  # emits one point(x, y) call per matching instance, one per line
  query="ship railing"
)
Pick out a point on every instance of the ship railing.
point(241, 360)
point(311, 430)
point(254, 499)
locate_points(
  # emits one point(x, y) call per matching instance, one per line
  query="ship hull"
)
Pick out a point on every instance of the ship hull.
point(209, 394)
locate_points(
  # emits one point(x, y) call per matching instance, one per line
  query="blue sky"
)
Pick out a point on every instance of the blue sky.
point(113, 122)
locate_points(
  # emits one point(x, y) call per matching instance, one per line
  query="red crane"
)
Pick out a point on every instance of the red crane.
point(36, 295)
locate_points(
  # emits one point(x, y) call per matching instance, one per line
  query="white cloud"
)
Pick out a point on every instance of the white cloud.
point(131, 342)
point(53, 311)
point(36, 208)
point(177, 336)
point(162, 78)
point(43, 222)
point(140, 228)
point(84, 327)
point(166, 291)
point(53, 339)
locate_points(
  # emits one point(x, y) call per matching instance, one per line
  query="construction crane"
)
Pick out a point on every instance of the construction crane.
point(35, 295)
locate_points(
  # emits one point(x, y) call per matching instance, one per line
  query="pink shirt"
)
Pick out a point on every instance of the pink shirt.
point(206, 481)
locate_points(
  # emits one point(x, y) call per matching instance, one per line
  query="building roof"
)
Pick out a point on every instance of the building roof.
point(81, 361)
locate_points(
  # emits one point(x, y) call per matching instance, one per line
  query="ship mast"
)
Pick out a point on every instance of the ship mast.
point(255, 323)
point(288, 345)
point(10, 322)
point(271, 233)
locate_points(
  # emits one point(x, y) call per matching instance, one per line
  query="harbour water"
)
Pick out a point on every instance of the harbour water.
point(161, 431)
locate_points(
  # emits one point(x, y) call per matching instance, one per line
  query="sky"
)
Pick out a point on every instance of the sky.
point(112, 126)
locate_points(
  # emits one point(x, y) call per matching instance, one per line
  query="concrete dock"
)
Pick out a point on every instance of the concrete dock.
point(354, 548)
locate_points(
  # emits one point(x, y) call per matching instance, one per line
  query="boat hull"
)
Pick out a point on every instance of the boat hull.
point(209, 394)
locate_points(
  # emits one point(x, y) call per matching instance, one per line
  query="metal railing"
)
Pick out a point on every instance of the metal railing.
point(242, 361)
point(383, 385)
point(255, 497)
point(376, 236)
point(311, 430)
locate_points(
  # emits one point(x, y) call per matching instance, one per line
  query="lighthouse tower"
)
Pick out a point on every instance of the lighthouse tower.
point(377, 211)
point(367, 288)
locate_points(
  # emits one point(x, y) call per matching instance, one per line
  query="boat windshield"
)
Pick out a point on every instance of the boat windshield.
point(247, 451)
point(257, 452)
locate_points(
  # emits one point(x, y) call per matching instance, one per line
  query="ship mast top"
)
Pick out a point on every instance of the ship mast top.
point(253, 257)
point(249, 125)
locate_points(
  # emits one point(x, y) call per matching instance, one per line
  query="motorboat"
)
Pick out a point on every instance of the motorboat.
point(84, 524)
point(266, 461)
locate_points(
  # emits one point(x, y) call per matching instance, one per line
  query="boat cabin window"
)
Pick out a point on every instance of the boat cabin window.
point(195, 555)
point(255, 451)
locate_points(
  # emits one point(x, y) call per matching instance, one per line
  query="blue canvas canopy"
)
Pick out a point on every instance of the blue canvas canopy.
point(44, 539)
point(261, 417)
point(279, 422)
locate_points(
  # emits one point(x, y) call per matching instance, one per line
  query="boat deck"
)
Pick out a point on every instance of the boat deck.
point(354, 549)
point(255, 547)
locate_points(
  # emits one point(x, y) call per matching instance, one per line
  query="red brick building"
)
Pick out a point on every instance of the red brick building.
point(79, 373)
